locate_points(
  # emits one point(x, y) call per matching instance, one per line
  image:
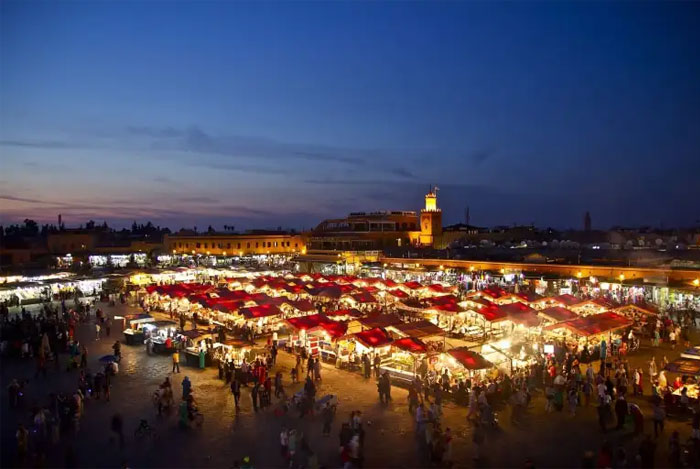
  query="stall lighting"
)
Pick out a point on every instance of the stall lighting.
point(622, 277)
point(579, 274)
point(696, 282)
point(503, 271)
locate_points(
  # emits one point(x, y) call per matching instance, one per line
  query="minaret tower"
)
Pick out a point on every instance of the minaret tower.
point(430, 219)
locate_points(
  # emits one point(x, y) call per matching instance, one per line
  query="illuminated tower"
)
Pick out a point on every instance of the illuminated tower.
point(430, 219)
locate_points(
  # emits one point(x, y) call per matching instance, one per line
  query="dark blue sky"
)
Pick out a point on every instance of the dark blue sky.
point(258, 115)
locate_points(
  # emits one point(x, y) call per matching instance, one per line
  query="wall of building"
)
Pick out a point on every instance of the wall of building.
point(65, 242)
point(235, 244)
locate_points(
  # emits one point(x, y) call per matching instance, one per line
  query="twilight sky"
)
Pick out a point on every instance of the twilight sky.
point(267, 114)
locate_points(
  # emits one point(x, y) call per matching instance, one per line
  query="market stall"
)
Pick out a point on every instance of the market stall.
point(134, 333)
point(403, 362)
point(162, 335)
point(461, 363)
point(196, 341)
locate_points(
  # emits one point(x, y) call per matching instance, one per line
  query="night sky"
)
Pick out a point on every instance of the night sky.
point(282, 114)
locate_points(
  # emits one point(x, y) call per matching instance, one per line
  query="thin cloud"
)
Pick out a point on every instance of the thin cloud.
point(12, 198)
point(36, 144)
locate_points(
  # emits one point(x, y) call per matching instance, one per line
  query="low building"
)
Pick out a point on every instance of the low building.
point(235, 244)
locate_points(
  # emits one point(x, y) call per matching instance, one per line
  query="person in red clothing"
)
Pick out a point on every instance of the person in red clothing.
point(605, 456)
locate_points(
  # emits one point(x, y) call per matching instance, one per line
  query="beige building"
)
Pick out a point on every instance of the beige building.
point(234, 244)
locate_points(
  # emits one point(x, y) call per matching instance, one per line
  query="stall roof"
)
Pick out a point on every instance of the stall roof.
point(412, 285)
point(260, 311)
point(419, 329)
point(373, 338)
point(520, 313)
point(326, 292)
point(195, 333)
point(439, 288)
point(645, 308)
point(492, 313)
point(442, 300)
point(447, 308)
point(529, 297)
point(493, 291)
point(684, 366)
point(410, 344)
point(335, 329)
point(398, 293)
point(301, 305)
point(363, 297)
point(594, 324)
point(567, 300)
point(380, 320)
point(469, 359)
point(306, 322)
point(163, 323)
point(344, 312)
point(558, 314)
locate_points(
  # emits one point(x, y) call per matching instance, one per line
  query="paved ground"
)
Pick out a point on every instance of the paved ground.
point(550, 440)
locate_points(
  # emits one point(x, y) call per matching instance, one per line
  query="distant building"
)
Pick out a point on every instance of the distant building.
point(366, 231)
point(235, 244)
point(587, 222)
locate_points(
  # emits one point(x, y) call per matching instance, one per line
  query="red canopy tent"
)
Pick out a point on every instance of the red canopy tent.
point(567, 300)
point(397, 293)
point(492, 313)
point(520, 313)
point(594, 324)
point(412, 285)
point(335, 329)
point(410, 344)
point(373, 338)
point(469, 359)
point(558, 314)
point(304, 306)
point(363, 297)
point(261, 311)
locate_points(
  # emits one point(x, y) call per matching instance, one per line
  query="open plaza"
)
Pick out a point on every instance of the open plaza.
point(386, 367)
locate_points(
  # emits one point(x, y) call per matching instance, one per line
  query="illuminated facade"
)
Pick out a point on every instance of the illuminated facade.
point(234, 244)
point(430, 220)
point(362, 231)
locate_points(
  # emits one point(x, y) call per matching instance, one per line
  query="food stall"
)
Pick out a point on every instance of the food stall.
point(431, 335)
point(349, 349)
point(232, 350)
point(402, 363)
point(196, 340)
point(159, 332)
point(461, 363)
point(688, 366)
point(590, 330)
point(134, 334)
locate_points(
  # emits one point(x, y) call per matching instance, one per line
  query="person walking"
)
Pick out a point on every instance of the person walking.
point(659, 415)
point(176, 361)
point(317, 369)
point(328, 415)
point(254, 395)
point(118, 428)
point(236, 390)
point(97, 331)
point(621, 411)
